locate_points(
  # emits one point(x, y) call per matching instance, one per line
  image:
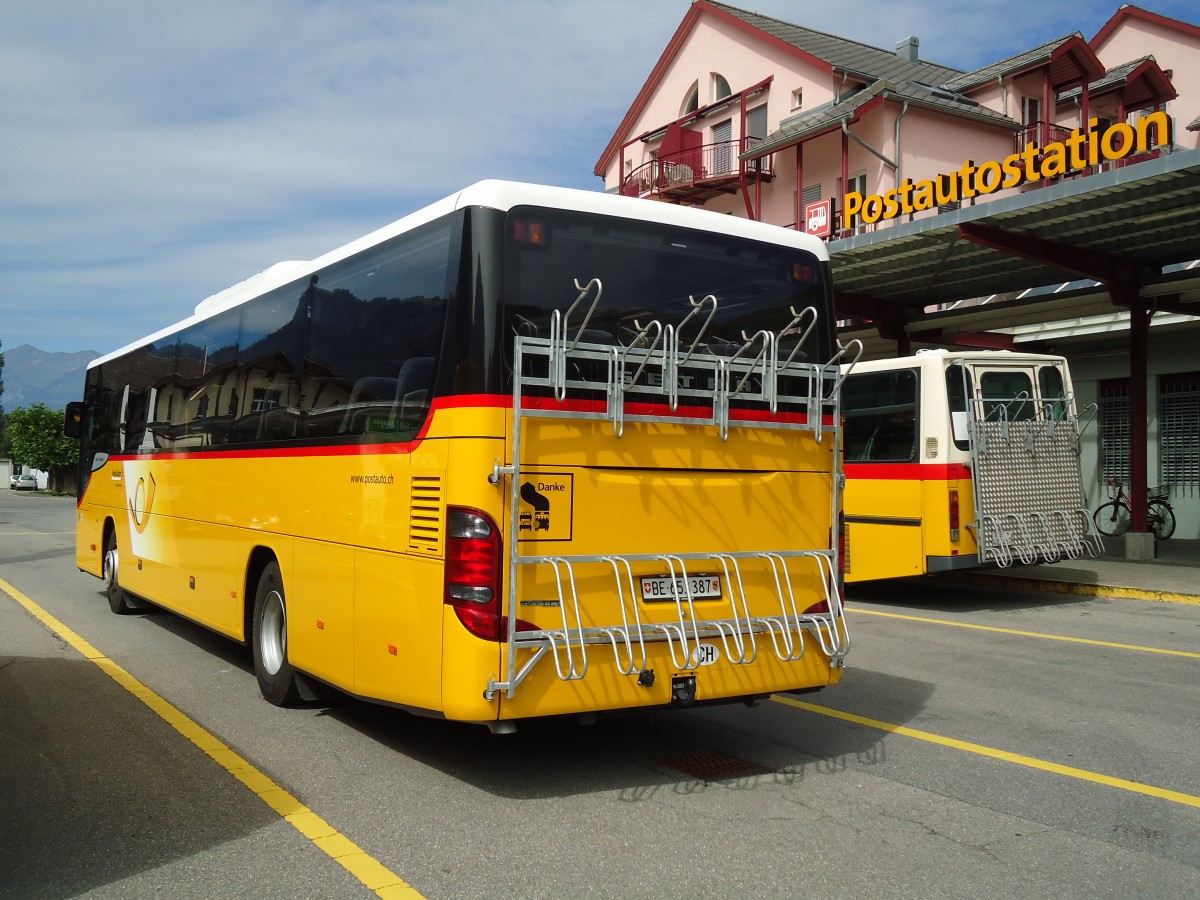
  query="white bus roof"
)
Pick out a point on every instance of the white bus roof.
point(922, 357)
point(499, 195)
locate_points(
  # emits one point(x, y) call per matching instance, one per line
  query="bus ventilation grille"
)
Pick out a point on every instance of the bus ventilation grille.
point(714, 766)
point(425, 515)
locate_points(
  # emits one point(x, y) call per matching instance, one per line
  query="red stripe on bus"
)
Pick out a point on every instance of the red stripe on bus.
point(464, 401)
point(907, 471)
point(665, 411)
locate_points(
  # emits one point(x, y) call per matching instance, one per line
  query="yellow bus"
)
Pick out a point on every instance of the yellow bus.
point(529, 451)
point(962, 460)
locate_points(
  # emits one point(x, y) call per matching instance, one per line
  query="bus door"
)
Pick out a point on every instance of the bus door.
point(1022, 432)
point(885, 495)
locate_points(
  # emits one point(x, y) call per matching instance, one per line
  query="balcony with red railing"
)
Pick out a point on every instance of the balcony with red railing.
point(1041, 134)
point(697, 174)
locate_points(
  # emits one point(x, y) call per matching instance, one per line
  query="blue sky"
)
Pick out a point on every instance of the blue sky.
point(154, 153)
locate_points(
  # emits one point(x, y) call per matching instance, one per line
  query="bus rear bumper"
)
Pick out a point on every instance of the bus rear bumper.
point(935, 564)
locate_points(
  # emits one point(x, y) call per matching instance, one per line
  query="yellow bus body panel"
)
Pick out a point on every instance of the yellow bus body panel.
point(884, 528)
point(897, 527)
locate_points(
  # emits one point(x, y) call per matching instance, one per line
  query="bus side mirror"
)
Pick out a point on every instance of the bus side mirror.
point(73, 421)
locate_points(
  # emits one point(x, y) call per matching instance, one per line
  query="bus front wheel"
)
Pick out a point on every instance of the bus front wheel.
point(276, 677)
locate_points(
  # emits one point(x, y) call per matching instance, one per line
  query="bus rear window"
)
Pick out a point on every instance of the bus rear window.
point(649, 271)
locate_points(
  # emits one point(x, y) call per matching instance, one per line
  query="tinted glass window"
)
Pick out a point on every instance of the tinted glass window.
point(1006, 395)
point(375, 336)
point(649, 271)
point(350, 352)
point(270, 357)
point(879, 410)
point(207, 400)
point(958, 392)
point(1054, 396)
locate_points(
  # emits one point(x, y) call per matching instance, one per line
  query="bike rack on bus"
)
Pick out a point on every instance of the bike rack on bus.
point(678, 384)
point(1015, 459)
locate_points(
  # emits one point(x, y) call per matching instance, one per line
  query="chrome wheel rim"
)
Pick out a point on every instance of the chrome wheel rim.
point(273, 633)
point(110, 569)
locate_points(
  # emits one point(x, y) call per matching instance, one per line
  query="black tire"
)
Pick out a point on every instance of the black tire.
point(120, 600)
point(1111, 518)
point(1161, 519)
point(276, 677)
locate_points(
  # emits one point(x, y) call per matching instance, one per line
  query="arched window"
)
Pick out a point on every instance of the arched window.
point(691, 101)
point(720, 87)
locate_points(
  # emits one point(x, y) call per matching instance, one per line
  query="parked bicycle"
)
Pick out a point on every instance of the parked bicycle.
point(1115, 516)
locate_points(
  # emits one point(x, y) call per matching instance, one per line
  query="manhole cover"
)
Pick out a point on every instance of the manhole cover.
point(714, 766)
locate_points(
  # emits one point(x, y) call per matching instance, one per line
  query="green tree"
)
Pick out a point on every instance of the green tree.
point(38, 442)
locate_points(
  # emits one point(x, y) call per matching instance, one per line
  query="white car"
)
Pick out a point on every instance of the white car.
point(24, 483)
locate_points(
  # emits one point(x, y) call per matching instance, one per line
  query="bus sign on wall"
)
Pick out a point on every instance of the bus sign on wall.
point(818, 217)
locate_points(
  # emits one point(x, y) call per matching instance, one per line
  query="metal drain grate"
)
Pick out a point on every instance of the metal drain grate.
point(714, 766)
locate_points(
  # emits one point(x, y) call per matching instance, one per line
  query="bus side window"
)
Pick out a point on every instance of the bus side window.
point(880, 415)
point(1054, 397)
point(958, 392)
point(135, 422)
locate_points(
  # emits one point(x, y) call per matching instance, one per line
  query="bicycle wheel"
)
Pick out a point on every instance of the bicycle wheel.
point(1111, 518)
point(1161, 519)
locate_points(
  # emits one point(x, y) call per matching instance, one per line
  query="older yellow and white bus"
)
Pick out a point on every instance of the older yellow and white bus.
point(529, 451)
point(962, 460)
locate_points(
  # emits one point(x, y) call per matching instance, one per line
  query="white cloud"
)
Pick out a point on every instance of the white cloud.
point(154, 153)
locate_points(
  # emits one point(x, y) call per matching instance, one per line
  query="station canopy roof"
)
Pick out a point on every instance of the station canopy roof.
point(1043, 256)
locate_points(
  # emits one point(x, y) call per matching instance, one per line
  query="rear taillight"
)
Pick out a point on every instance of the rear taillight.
point(474, 560)
point(954, 525)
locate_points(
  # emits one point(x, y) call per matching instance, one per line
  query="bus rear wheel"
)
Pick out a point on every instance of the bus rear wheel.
point(276, 677)
point(120, 600)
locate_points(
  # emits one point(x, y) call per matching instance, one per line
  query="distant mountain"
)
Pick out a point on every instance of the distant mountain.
point(32, 376)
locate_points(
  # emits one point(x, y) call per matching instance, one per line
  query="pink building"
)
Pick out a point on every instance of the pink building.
point(758, 117)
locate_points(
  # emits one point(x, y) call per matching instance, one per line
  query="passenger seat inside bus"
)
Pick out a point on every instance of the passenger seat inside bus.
point(413, 387)
point(374, 398)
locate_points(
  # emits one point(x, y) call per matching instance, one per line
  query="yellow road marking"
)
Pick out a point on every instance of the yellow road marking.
point(1044, 765)
point(372, 873)
point(1034, 634)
